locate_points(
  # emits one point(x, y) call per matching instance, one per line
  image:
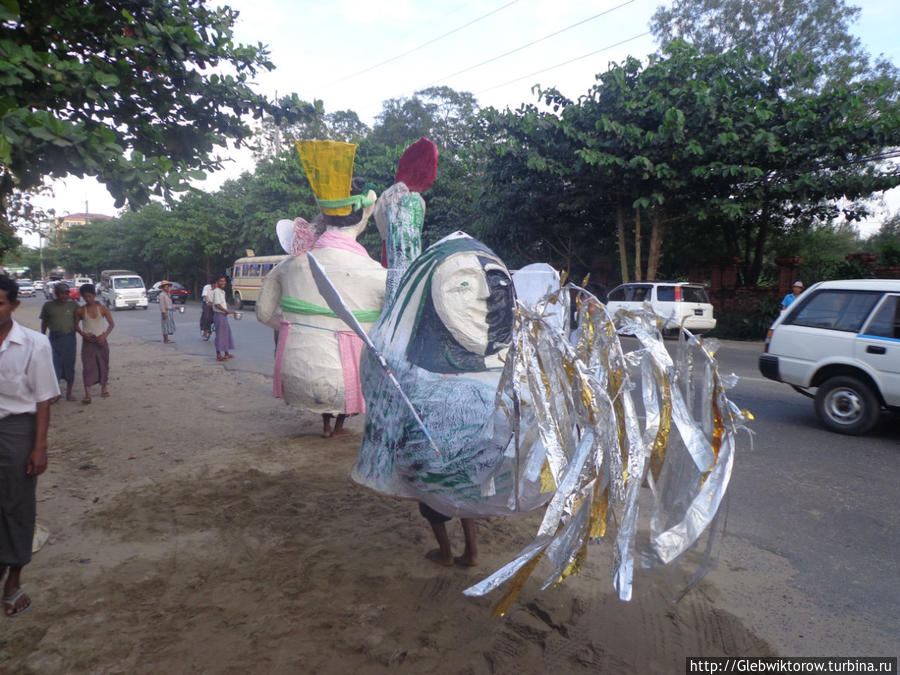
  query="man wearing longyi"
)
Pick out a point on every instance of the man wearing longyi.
point(27, 385)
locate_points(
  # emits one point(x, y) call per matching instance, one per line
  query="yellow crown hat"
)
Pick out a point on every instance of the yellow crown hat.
point(329, 168)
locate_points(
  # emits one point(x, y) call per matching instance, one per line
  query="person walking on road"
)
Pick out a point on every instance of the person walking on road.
point(58, 315)
point(30, 383)
point(167, 310)
point(96, 325)
point(224, 341)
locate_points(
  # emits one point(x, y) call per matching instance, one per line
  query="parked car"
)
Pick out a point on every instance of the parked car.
point(38, 284)
point(26, 288)
point(841, 338)
point(178, 293)
point(50, 289)
point(676, 302)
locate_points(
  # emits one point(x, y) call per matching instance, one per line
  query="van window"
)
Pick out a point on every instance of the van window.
point(128, 282)
point(639, 293)
point(617, 294)
point(886, 322)
point(837, 310)
point(694, 294)
point(665, 293)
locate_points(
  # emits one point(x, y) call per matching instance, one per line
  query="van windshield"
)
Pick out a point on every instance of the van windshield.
point(128, 282)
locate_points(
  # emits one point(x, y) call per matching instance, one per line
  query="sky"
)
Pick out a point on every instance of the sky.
point(355, 54)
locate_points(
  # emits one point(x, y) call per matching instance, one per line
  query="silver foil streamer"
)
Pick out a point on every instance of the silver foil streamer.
point(592, 414)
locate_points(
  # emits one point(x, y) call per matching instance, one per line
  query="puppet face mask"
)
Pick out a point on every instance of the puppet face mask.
point(472, 296)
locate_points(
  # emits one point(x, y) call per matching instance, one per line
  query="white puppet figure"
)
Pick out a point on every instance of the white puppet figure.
point(317, 358)
point(579, 427)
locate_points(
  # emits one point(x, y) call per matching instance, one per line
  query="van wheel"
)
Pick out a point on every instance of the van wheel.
point(847, 405)
point(238, 301)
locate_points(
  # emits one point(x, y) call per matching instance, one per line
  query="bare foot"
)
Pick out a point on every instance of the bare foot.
point(326, 434)
point(435, 555)
point(86, 400)
point(465, 561)
point(69, 397)
point(341, 432)
point(104, 394)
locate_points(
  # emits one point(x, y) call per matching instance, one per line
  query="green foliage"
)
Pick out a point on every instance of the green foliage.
point(818, 31)
point(886, 242)
point(748, 319)
point(713, 146)
point(137, 93)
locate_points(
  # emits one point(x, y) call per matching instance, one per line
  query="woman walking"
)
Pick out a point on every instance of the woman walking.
point(94, 323)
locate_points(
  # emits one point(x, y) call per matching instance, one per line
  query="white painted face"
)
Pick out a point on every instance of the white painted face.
point(459, 291)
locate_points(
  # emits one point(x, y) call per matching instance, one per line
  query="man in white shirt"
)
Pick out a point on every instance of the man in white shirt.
point(206, 314)
point(27, 385)
point(224, 341)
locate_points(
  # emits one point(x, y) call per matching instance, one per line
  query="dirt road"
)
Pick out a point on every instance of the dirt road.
point(199, 525)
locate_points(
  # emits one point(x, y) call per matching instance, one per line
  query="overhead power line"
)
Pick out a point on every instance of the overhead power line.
point(530, 44)
point(565, 63)
point(425, 44)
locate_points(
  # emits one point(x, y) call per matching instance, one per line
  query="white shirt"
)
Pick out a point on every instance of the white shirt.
point(206, 292)
point(26, 371)
point(217, 297)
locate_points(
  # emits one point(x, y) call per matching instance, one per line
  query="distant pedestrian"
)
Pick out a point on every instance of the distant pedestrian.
point(96, 325)
point(206, 312)
point(58, 316)
point(224, 341)
point(29, 385)
point(796, 290)
point(167, 311)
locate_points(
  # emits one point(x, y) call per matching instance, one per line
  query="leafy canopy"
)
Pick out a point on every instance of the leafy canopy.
point(138, 93)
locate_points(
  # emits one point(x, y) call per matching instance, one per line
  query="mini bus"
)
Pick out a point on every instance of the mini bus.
point(247, 276)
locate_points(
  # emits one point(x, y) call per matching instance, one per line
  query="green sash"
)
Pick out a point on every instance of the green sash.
point(297, 306)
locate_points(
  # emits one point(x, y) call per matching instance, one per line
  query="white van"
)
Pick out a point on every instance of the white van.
point(120, 289)
point(677, 303)
point(841, 338)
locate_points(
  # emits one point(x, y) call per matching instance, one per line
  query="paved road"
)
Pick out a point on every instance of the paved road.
point(826, 503)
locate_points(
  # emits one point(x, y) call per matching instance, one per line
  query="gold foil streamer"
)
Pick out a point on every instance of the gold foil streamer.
point(547, 482)
point(658, 452)
point(515, 586)
point(599, 512)
point(577, 563)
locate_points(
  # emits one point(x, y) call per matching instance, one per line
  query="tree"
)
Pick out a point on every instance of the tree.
point(138, 93)
point(722, 150)
point(886, 242)
point(776, 30)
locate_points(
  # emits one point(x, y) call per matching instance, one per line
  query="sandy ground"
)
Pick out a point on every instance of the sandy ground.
point(199, 525)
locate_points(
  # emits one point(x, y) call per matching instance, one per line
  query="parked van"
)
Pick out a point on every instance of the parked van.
point(120, 289)
point(677, 303)
point(248, 274)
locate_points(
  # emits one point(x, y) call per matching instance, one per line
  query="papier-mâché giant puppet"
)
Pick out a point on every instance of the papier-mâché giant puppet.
point(582, 428)
point(317, 357)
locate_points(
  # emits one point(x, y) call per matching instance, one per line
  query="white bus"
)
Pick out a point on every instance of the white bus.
point(247, 276)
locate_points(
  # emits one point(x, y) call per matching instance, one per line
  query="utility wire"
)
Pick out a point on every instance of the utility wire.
point(529, 44)
point(425, 44)
point(565, 63)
